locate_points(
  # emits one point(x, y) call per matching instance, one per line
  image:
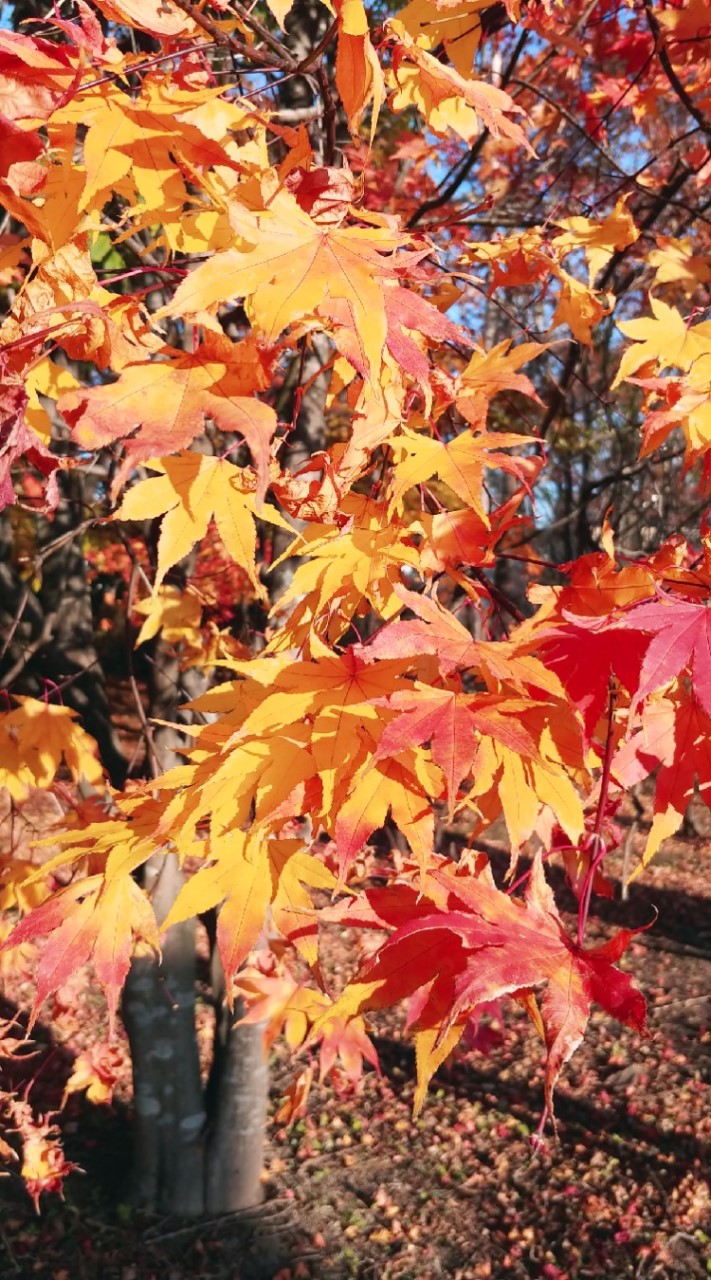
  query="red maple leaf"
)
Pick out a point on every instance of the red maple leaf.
point(681, 636)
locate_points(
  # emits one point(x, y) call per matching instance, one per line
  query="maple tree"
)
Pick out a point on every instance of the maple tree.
point(399, 495)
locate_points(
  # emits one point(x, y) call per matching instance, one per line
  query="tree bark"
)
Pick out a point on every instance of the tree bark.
point(159, 1014)
point(238, 1095)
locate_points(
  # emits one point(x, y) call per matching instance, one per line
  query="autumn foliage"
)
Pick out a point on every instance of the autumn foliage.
point(183, 263)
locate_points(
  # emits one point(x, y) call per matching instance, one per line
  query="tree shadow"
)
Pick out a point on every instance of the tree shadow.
point(644, 1147)
point(93, 1233)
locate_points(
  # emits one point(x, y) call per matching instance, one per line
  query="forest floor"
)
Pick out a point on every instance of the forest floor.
point(359, 1190)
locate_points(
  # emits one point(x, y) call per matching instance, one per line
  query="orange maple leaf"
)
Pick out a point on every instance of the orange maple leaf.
point(163, 405)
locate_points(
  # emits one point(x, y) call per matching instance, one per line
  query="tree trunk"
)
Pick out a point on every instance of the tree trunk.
point(159, 1013)
point(192, 1151)
point(238, 1096)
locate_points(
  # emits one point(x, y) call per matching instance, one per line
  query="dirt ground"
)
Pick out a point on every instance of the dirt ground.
point(358, 1189)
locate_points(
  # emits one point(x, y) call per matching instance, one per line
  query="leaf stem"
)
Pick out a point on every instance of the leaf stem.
point(596, 841)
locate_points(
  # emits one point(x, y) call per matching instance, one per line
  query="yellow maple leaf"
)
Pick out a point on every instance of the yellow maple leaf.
point(35, 737)
point(460, 463)
point(447, 99)
point(524, 787)
point(46, 378)
point(599, 240)
point(666, 339)
point(457, 28)
point(288, 263)
point(578, 306)
point(490, 372)
point(190, 489)
point(676, 263)
point(404, 787)
point(177, 613)
point(154, 144)
point(148, 15)
point(239, 878)
point(348, 564)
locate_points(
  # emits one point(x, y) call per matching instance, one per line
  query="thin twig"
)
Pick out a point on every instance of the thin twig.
point(319, 49)
point(329, 113)
point(262, 32)
point(30, 650)
point(19, 612)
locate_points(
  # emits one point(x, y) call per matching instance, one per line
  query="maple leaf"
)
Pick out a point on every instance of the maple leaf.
point(91, 918)
point(152, 16)
point(44, 1166)
point(490, 372)
point(17, 441)
point(666, 340)
point(676, 263)
point(673, 740)
point(87, 35)
point(460, 464)
point(447, 99)
point(316, 721)
point(681, 634)
point(96, 1070)
point(20, 174)
point(246, 875)
point(411, 319)
point(292, 869)
point(458, 28)
point(291, 1009)
point(176, 613)
point(152, 144)
point(240, 879)
point(484, 945)
point(585, 653)
point(405, 788)
point(599, 240)
point(37, 75)
point(289, 263)
point(359, 76)
point(450, 719)
point(45, 378)
point(164, 404)
point(359, 559)
point(36, 737)
point(435, 630)
point(190, 489)
point(578, 307)
point(528, 788)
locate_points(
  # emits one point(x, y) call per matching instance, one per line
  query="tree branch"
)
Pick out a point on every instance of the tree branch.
point(447, 193)
point(679, 88)
point(261, 57)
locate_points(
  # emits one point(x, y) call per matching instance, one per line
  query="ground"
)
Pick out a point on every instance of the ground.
point(359, 1189)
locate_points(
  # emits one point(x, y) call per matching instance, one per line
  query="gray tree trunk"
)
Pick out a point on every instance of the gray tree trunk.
point(238, 1095)
point(193, 1150)
point(159, 1014)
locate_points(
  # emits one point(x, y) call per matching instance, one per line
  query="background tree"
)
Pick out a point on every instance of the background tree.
point(272, 277)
